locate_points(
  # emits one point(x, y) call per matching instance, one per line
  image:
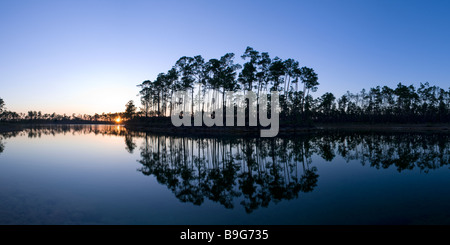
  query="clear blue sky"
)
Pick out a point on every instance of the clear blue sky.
point(88, 56)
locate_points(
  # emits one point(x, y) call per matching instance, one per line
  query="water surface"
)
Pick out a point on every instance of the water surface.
point(97, 174)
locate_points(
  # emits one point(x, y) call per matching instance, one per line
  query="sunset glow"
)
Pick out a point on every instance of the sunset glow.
point(118, 120)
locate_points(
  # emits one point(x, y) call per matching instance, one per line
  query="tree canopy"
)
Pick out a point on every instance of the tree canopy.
point(262, 74)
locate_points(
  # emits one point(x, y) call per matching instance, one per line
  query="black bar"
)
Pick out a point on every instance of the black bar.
point(174, 233)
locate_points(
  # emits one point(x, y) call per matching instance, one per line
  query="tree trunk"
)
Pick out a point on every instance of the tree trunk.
point(192, 102)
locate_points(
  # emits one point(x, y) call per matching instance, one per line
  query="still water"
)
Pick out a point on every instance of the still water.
point(97, 174)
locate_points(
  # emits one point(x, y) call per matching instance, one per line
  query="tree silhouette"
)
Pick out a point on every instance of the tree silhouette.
point(248, 75)
point(261, 74)
point(185, 66)
point(2, 104)
point(130, 110)
point(310, 82)
point(221, 75)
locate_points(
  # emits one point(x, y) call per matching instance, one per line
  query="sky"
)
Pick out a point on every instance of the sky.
point(88, 57)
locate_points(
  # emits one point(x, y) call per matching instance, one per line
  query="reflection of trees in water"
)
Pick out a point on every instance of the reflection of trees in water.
point(223, 169)
point(130, 145)
point(403, 151)
point(260, 170)
point(2, 146)
point(6, 135)
point(37, 131)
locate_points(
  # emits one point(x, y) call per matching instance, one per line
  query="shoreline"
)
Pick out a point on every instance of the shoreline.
point(390, 127)
point(245, 131)
point(12, 127)
point(292, 130)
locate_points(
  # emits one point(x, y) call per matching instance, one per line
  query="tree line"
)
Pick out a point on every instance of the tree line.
point(39, 117)
point(402, 104)
point(262, 74)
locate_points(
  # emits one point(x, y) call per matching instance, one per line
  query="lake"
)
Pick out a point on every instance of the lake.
point(105, 174)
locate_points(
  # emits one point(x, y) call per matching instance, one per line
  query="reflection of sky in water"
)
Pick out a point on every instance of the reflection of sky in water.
point(360, 194)
point(84, 173)
point(75, 178)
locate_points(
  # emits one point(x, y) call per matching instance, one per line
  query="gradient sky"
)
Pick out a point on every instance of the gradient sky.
point(88, 56)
